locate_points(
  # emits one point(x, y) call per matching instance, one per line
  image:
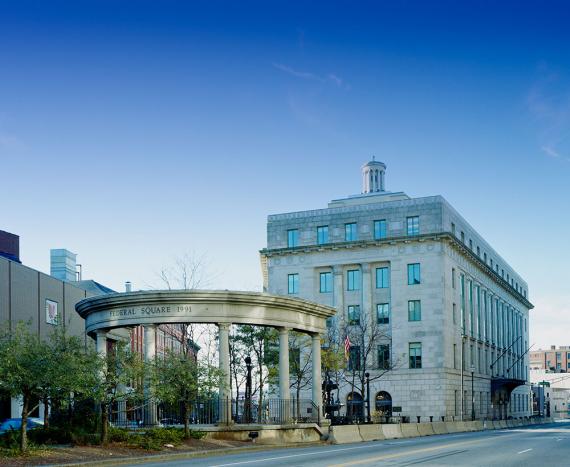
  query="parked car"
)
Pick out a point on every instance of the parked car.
point(16, 423)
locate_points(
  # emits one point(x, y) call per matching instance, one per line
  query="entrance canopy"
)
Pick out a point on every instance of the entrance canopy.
point(202, 306)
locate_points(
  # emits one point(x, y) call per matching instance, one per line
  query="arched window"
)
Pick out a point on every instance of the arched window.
point(383, 404)
point(354, 405)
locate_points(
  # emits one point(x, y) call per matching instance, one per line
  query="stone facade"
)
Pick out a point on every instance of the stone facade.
point(427, 232)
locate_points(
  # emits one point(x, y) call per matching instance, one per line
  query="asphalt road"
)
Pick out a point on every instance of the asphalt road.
point(542, 446)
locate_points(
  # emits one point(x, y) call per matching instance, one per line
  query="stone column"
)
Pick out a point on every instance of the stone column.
point(150, 416)
point(101, 342)
point(101, 347)
point(284, 380)
point(224, 365)
point(317, 383)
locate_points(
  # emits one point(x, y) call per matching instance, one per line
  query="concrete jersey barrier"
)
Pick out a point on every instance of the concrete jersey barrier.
point(343, 434)
point(392, 431)
point(409, 430)
point(371, 432)
point(439, 428)
point(374, 432)
point(425, 429)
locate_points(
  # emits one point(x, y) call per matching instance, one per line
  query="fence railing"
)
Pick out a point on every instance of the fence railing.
point(221, 411)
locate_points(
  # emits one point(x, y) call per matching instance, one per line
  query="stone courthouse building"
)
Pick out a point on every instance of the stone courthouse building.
point(455, 313)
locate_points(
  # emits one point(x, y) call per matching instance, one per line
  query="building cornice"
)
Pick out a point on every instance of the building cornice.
point(441, 236)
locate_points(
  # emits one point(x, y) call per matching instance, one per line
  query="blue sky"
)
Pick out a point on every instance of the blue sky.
point(134, 132)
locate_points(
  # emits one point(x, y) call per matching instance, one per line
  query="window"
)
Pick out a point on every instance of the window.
point(354, 358)
point(293, 283)
point(462, 301)
point(292, 238)
point(350, 234)
point(455, 356)
point(382, 281)
point(478, 251)
point(353, 314)
point(413, 274)
point(415, 354)
point(413, 225)
point(384, 356)
point(453, 228)
point(471, 308)
point(470, 244)
point(454, 314)
point(462, 237)
point(322, 234)
point(353, 279)
point(414, 310)
point(380, 229)
point(383, 313)
point(485, 257)
point(452, 278)
point(326, 282)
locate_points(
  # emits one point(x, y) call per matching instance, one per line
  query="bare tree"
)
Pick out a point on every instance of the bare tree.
point(301, 373)
point(365, 335)
point(188, 272)
point(238, 369)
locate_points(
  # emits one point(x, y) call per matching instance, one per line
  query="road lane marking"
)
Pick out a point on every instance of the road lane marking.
point(332, 451)
point(369, 460)
point(526, 450)
point(292, 455)
point(434, 457)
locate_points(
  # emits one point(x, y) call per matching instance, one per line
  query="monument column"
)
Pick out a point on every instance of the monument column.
point(101, 342)
point(317, 383)
point(224, 365)
point(101, 347)
point(149, 357)
point(284, 380)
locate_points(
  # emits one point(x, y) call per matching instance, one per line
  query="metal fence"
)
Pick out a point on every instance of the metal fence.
point(214, 411)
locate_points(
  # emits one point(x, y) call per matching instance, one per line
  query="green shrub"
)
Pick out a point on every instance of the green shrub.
point(152, 439)
point(196, 434)
point(119, 435)
point(10, 439)
point(51, 435)
point(81, 438)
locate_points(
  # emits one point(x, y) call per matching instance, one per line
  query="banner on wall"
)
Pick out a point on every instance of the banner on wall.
point(51, 312)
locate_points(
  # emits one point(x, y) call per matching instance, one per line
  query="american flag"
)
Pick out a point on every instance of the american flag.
point(347, 345)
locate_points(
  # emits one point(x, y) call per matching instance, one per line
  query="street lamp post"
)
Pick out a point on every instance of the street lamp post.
point(367, 396)
point(472, 394)
point(247, 414)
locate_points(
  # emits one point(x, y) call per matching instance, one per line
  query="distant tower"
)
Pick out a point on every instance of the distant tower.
point(373, 174)
point(63, 265)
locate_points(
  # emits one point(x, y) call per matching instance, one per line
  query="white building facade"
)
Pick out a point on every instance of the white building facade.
point(450, 306)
